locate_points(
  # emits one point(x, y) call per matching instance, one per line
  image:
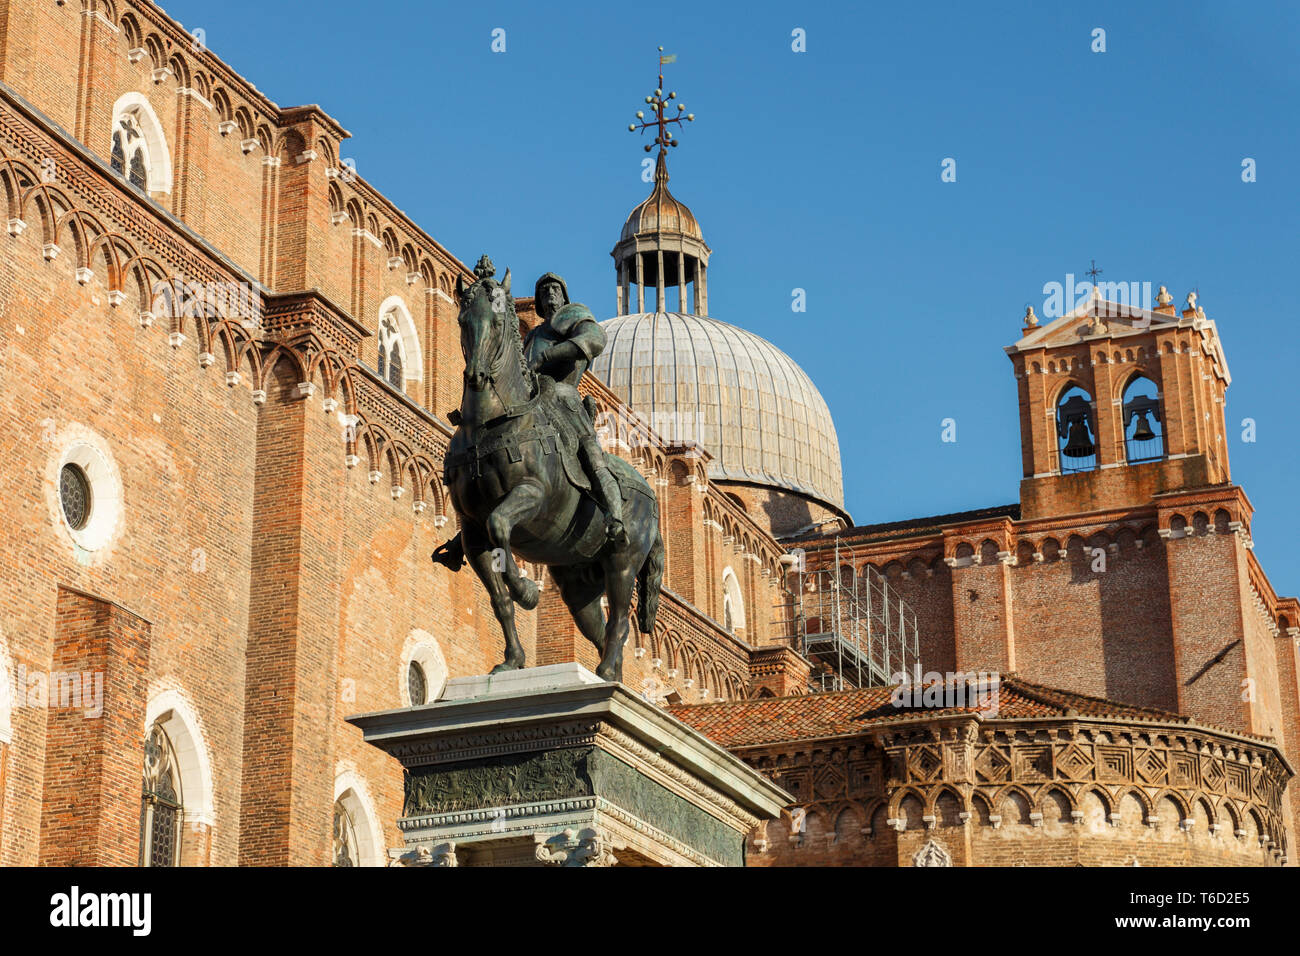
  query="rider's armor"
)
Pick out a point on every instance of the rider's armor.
point(563, 348)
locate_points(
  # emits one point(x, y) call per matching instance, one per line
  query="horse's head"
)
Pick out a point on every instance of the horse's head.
point(485, 309)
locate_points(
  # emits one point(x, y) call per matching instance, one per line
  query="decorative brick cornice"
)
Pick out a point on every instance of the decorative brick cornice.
point(287, 316)
point(966, 756)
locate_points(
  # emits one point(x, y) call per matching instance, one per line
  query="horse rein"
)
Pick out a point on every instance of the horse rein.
point(494, 368)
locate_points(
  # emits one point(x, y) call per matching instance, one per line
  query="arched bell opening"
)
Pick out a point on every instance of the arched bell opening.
point(1076, 431)
point(1143, 429)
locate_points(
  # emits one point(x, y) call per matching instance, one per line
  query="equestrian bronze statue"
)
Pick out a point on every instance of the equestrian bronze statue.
point(527, 474)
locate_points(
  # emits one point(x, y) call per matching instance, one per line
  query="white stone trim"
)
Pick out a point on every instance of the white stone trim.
point(367, 235)
point(157, 156)
point(195, 94)
point(412, 353)
point(88, 451)
point(351, 789)
point(423, 648)
point(733, 595)
point(181, 722)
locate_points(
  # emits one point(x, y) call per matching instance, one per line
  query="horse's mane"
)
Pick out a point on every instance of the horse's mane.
point(512, 331)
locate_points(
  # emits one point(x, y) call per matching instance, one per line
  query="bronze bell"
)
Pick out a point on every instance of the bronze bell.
point(1077, 443)
point(1143, 431)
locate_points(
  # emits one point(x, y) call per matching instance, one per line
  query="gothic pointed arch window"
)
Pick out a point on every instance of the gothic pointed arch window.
point(138, 175)
point(129, 151)
point(358, 839)
point(345, 837)
point(1144, 434)
point(399, 357)
point(161, 806)
point(119, 154)
point(1076, 431)
point(733, 602)
point(138, 148)
point(391, 362)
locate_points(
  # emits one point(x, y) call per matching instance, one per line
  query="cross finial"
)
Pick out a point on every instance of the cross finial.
point(1093, 273)
point(658, 121)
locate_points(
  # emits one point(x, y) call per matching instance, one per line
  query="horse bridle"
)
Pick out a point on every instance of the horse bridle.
point(494, 368)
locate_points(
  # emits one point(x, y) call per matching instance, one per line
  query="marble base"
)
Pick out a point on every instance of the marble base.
point(552, 766)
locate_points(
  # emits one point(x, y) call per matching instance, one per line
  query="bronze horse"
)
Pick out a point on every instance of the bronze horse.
point(516, 486)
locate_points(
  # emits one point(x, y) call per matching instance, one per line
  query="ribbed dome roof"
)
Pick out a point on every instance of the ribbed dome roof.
point(738, 395)
point(661, 212)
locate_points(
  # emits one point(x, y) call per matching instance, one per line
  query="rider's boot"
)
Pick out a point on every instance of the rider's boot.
point(610, 497)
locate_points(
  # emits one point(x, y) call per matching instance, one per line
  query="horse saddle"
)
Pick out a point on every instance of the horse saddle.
point(558, 416)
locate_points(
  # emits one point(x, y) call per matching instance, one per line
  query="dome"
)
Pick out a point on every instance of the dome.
point(661, 212)
point(664, 213)
point(694, 378)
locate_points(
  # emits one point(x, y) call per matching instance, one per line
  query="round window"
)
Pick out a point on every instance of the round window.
point(74, 496)
point(83, 491)
point(416, 687)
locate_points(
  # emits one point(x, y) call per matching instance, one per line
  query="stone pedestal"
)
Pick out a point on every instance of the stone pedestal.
point(552, 766)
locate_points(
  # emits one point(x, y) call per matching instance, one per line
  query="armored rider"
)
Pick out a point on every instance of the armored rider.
point(562, 347)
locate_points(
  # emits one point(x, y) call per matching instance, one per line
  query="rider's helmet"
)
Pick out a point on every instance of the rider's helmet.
point(547, 279)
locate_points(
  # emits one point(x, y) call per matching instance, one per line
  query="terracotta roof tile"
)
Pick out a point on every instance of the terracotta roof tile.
point(747, 723)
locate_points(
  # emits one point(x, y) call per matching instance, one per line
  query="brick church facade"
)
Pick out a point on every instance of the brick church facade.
point(227, 361)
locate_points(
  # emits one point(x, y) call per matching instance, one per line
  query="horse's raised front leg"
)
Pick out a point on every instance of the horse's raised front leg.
point(483, 561)
point(619, 581)
point(523, 502)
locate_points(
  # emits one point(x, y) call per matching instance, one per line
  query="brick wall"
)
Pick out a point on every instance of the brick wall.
point(90, 807)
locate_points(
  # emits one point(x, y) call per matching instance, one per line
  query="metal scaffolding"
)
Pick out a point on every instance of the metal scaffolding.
point(851, 622)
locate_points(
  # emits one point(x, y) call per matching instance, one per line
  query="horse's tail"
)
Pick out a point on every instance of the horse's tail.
point(649, 580)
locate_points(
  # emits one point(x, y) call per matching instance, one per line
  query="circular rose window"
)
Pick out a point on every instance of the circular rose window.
point(416, 687)
point(74, 496)
point(87, 499)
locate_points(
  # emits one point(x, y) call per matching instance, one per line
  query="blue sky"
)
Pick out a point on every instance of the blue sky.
point(821, 170)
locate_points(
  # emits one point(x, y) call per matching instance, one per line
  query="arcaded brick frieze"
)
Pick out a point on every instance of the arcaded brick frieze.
point(232, 148)
point(57, 187)
point(102, 233)
point(1026, 792)
point(688, 658)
